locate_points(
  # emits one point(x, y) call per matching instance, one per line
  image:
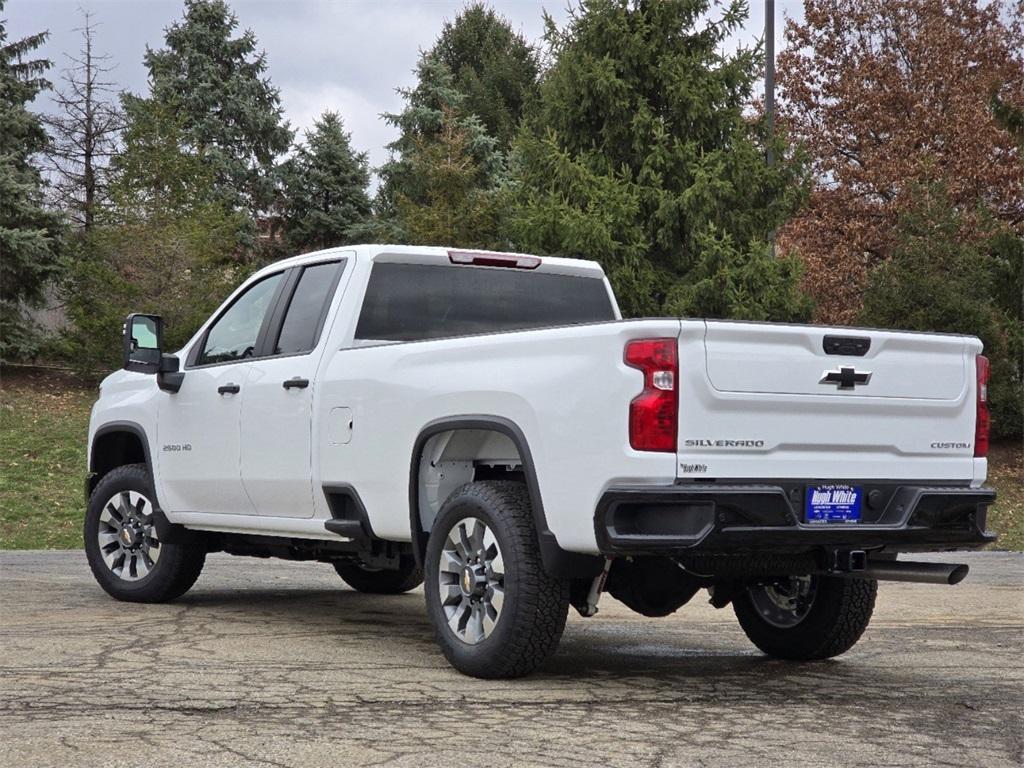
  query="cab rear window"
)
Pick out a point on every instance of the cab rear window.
point(411, 302)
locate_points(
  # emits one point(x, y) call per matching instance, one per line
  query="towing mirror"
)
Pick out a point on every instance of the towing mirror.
point(143, 342)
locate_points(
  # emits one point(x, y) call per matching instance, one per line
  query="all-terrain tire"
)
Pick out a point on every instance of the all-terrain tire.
point(176, 568)
point(373, 581)
point(837, 618)
point(535, 605)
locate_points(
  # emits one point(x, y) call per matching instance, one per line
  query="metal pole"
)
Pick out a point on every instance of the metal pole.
point(769, 68)
point(769, 83)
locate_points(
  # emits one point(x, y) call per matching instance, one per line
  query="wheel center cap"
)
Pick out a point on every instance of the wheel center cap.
point(473, 581)
point(130, 536)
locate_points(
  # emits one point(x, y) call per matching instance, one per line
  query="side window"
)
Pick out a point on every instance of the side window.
point(233, 335)
point(305, 317)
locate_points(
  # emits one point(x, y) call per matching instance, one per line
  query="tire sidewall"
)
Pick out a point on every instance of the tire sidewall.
point(129, 478)
point(812, 638)
point(818, 619)
point(463, 656)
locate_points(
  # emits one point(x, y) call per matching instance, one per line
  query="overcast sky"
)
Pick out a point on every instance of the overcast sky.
point(343, 56)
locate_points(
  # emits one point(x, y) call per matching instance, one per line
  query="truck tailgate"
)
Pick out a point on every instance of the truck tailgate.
point(770, 401)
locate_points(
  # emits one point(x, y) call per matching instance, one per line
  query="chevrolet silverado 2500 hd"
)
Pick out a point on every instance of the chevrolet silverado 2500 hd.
point(488, 423)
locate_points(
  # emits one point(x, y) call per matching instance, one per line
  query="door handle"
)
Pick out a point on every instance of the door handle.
point(229, 389)
point(295, 383)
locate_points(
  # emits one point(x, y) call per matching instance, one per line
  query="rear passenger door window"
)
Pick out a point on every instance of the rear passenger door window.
point(307, 309)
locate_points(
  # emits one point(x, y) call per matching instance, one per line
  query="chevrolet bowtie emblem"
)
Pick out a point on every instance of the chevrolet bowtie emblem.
point(845, 378)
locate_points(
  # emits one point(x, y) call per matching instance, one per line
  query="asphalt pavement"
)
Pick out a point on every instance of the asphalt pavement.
point(268, 663)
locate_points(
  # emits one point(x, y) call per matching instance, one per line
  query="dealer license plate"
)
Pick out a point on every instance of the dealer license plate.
point(833, 504)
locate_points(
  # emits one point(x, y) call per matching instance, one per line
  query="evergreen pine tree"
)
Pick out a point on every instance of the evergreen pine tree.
point(493, 66)
point(971, 288)
point(427, 105)
point(640, 156)
point(230, 113)
point(325, 187)
point(456, 211)
point(472, 90)
point(30, 235)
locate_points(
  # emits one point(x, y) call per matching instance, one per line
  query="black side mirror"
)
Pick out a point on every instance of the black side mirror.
point(143, 351)
point(143, 343)
point(169, 378)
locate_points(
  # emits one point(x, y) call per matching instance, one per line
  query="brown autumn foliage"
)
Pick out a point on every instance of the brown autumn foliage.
point(886, 96)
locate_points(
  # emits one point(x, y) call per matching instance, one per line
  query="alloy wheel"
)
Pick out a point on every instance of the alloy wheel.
point(785, 603)
point(127, 537)
point(471, 580)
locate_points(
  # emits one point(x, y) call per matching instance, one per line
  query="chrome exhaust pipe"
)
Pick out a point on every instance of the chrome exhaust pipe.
point(923, 573)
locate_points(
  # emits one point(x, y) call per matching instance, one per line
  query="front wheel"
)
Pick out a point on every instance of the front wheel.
point(496, 612)
point(806, 617)
point(123, 547)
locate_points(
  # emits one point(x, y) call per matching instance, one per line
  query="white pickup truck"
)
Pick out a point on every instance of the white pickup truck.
point(488, 422)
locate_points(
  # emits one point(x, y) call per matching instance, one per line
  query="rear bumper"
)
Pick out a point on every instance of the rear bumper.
point(760, 518)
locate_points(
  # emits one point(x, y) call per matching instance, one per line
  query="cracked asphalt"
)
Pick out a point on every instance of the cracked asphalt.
point(268, 663)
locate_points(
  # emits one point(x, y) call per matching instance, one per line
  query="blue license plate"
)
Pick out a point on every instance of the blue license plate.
point(833, 504)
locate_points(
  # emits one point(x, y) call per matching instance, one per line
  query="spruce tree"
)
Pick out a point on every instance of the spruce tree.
point(434, 100)
point(325, 187)
point(456, 210)
point(936, 280)
point(641, 156)
point(30, 235)
point(472, 89)
point(493, 66)
point(230, 113)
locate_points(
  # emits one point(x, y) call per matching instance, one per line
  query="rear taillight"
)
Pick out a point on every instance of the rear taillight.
point(981, 424)
point(654, 413)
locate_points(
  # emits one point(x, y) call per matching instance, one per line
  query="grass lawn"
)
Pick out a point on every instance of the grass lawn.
point(44, 419)
point(1006, 475)
point(44, 423)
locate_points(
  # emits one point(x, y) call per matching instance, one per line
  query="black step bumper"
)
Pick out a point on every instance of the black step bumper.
point(766, 517)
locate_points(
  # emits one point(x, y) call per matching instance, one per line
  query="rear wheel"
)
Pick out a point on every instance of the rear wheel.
point(123, 547)
point(380, 581)
point(496, 612)
point(806, 617)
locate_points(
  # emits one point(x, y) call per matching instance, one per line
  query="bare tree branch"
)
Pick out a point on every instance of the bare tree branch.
point(85, 131)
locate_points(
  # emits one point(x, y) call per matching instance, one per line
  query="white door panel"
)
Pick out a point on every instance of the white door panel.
point(198, 443)
point(275, 437)
point(277, 423)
